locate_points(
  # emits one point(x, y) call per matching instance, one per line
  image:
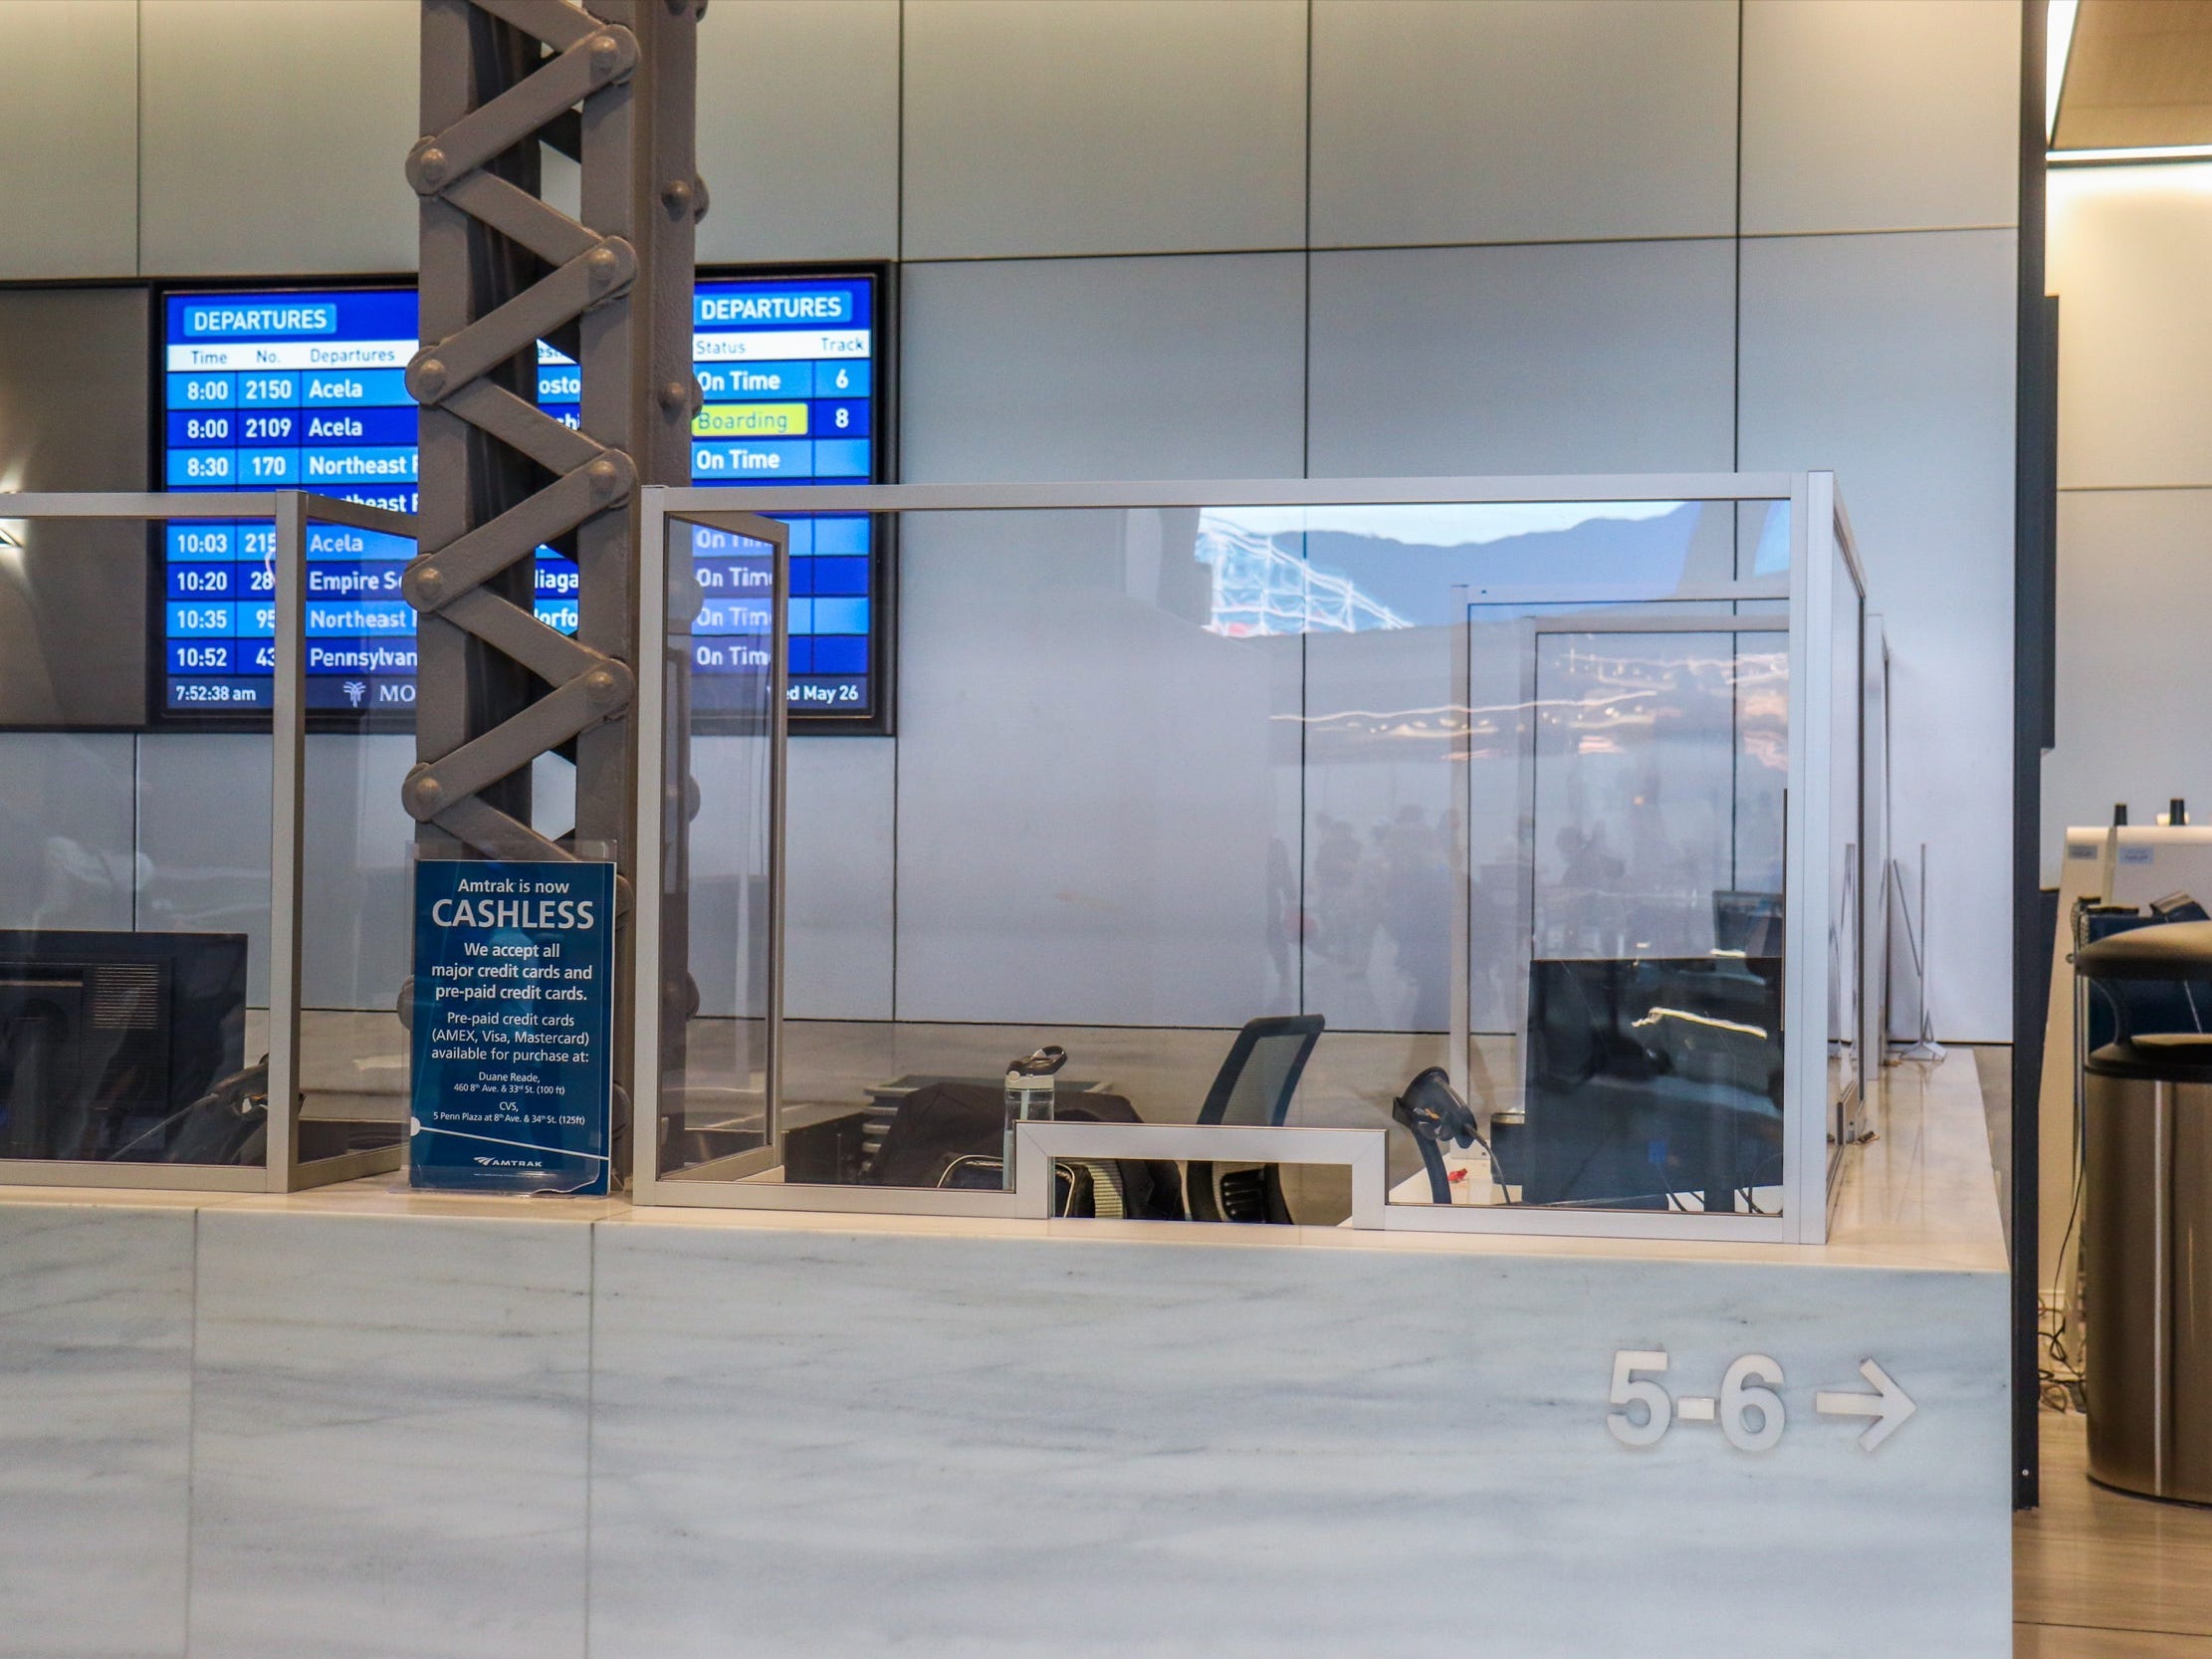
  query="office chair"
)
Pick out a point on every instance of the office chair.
point(1253, 1086)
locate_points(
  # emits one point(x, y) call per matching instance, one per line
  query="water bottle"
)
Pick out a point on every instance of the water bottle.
point(1028, 1097)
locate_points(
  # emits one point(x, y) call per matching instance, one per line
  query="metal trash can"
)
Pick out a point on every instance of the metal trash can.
point(2146, 1222)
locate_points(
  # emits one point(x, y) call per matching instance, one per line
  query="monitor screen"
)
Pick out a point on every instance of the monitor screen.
point(304, 389)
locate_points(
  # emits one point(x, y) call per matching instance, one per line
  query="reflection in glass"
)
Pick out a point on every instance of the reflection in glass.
point(1226, 764)
point(1625, 774)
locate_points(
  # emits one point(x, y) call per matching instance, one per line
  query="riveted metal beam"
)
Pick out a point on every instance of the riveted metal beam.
point(610, 82)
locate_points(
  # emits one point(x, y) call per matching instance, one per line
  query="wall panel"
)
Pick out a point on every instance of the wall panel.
point(1890, 358)
point(2130, 259)
point(1097, 795)
point(1099, 127)
point(1131, 885)
point(203, 841)
point(71, 105)
point(356, 920)
point(2135, 590)
point(1187, 368)
point(798, 130)
point(73, 596)
point(67, 828)
point(1523, 121)
point(1597, 357)
point(837, 923)
point(1897, 116)
point(271, 137)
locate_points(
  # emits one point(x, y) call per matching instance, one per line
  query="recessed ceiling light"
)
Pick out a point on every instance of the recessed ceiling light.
point(2146, 152)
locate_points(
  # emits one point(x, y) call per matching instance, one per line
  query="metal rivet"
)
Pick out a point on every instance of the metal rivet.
point(602, 475)
point(675, 193)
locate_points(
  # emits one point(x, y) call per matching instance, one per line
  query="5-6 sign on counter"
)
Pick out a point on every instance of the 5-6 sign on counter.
point(1747, 1409)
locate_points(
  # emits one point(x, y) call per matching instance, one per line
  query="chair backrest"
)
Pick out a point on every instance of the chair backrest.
point(1256, 1080)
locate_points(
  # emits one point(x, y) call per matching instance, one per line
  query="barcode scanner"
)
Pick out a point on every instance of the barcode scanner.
point(1043, 1064)
point(1431, 1109)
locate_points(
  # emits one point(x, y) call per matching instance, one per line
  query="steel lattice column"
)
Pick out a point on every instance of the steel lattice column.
point(613, 88)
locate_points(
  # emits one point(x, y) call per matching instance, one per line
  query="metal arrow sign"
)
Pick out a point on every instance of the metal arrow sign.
point(1889, 1407)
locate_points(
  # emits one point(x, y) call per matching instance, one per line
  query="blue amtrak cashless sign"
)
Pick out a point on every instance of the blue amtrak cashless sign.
point(513, 1026)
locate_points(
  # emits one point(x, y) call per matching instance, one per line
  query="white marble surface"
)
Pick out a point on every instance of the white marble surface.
point(945, 1446)
point(392, 1438)
point(460, 1427)
point(96, 1383)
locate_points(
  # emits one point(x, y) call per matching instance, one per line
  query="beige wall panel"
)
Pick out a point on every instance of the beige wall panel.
point(273, 136)
point(798, 130)
point(1610, 358)
point(2130, 259)
point(2135, 590)
point(1102, 368)
point(1092, 127)
point(1880, 115)
point(69, 130)
point(1523, 121)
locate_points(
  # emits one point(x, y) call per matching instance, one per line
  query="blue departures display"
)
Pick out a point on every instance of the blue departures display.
point(305, 390)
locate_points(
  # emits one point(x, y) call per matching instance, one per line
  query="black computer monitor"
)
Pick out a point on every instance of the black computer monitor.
point(1651, 1078)
point(108, 1038)
point(1750, 922)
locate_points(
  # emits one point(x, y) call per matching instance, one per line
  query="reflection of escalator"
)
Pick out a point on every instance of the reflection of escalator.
point(1652, 1077)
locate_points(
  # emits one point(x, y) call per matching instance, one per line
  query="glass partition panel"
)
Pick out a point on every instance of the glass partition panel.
point(135, 908)
point(721, 751)
point(1847, 871)
point(1247, 811)
point(1625, 776)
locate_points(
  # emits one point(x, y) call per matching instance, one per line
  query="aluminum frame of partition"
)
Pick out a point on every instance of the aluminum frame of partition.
point(1810, 590)
point(292, 511)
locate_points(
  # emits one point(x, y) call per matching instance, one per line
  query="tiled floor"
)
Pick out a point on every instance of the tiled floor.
point(2099, 1575)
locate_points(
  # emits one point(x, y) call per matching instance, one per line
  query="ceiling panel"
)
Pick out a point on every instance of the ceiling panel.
point(2139, 74)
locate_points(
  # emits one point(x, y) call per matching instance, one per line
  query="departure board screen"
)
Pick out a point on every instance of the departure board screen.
point(304, 389)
